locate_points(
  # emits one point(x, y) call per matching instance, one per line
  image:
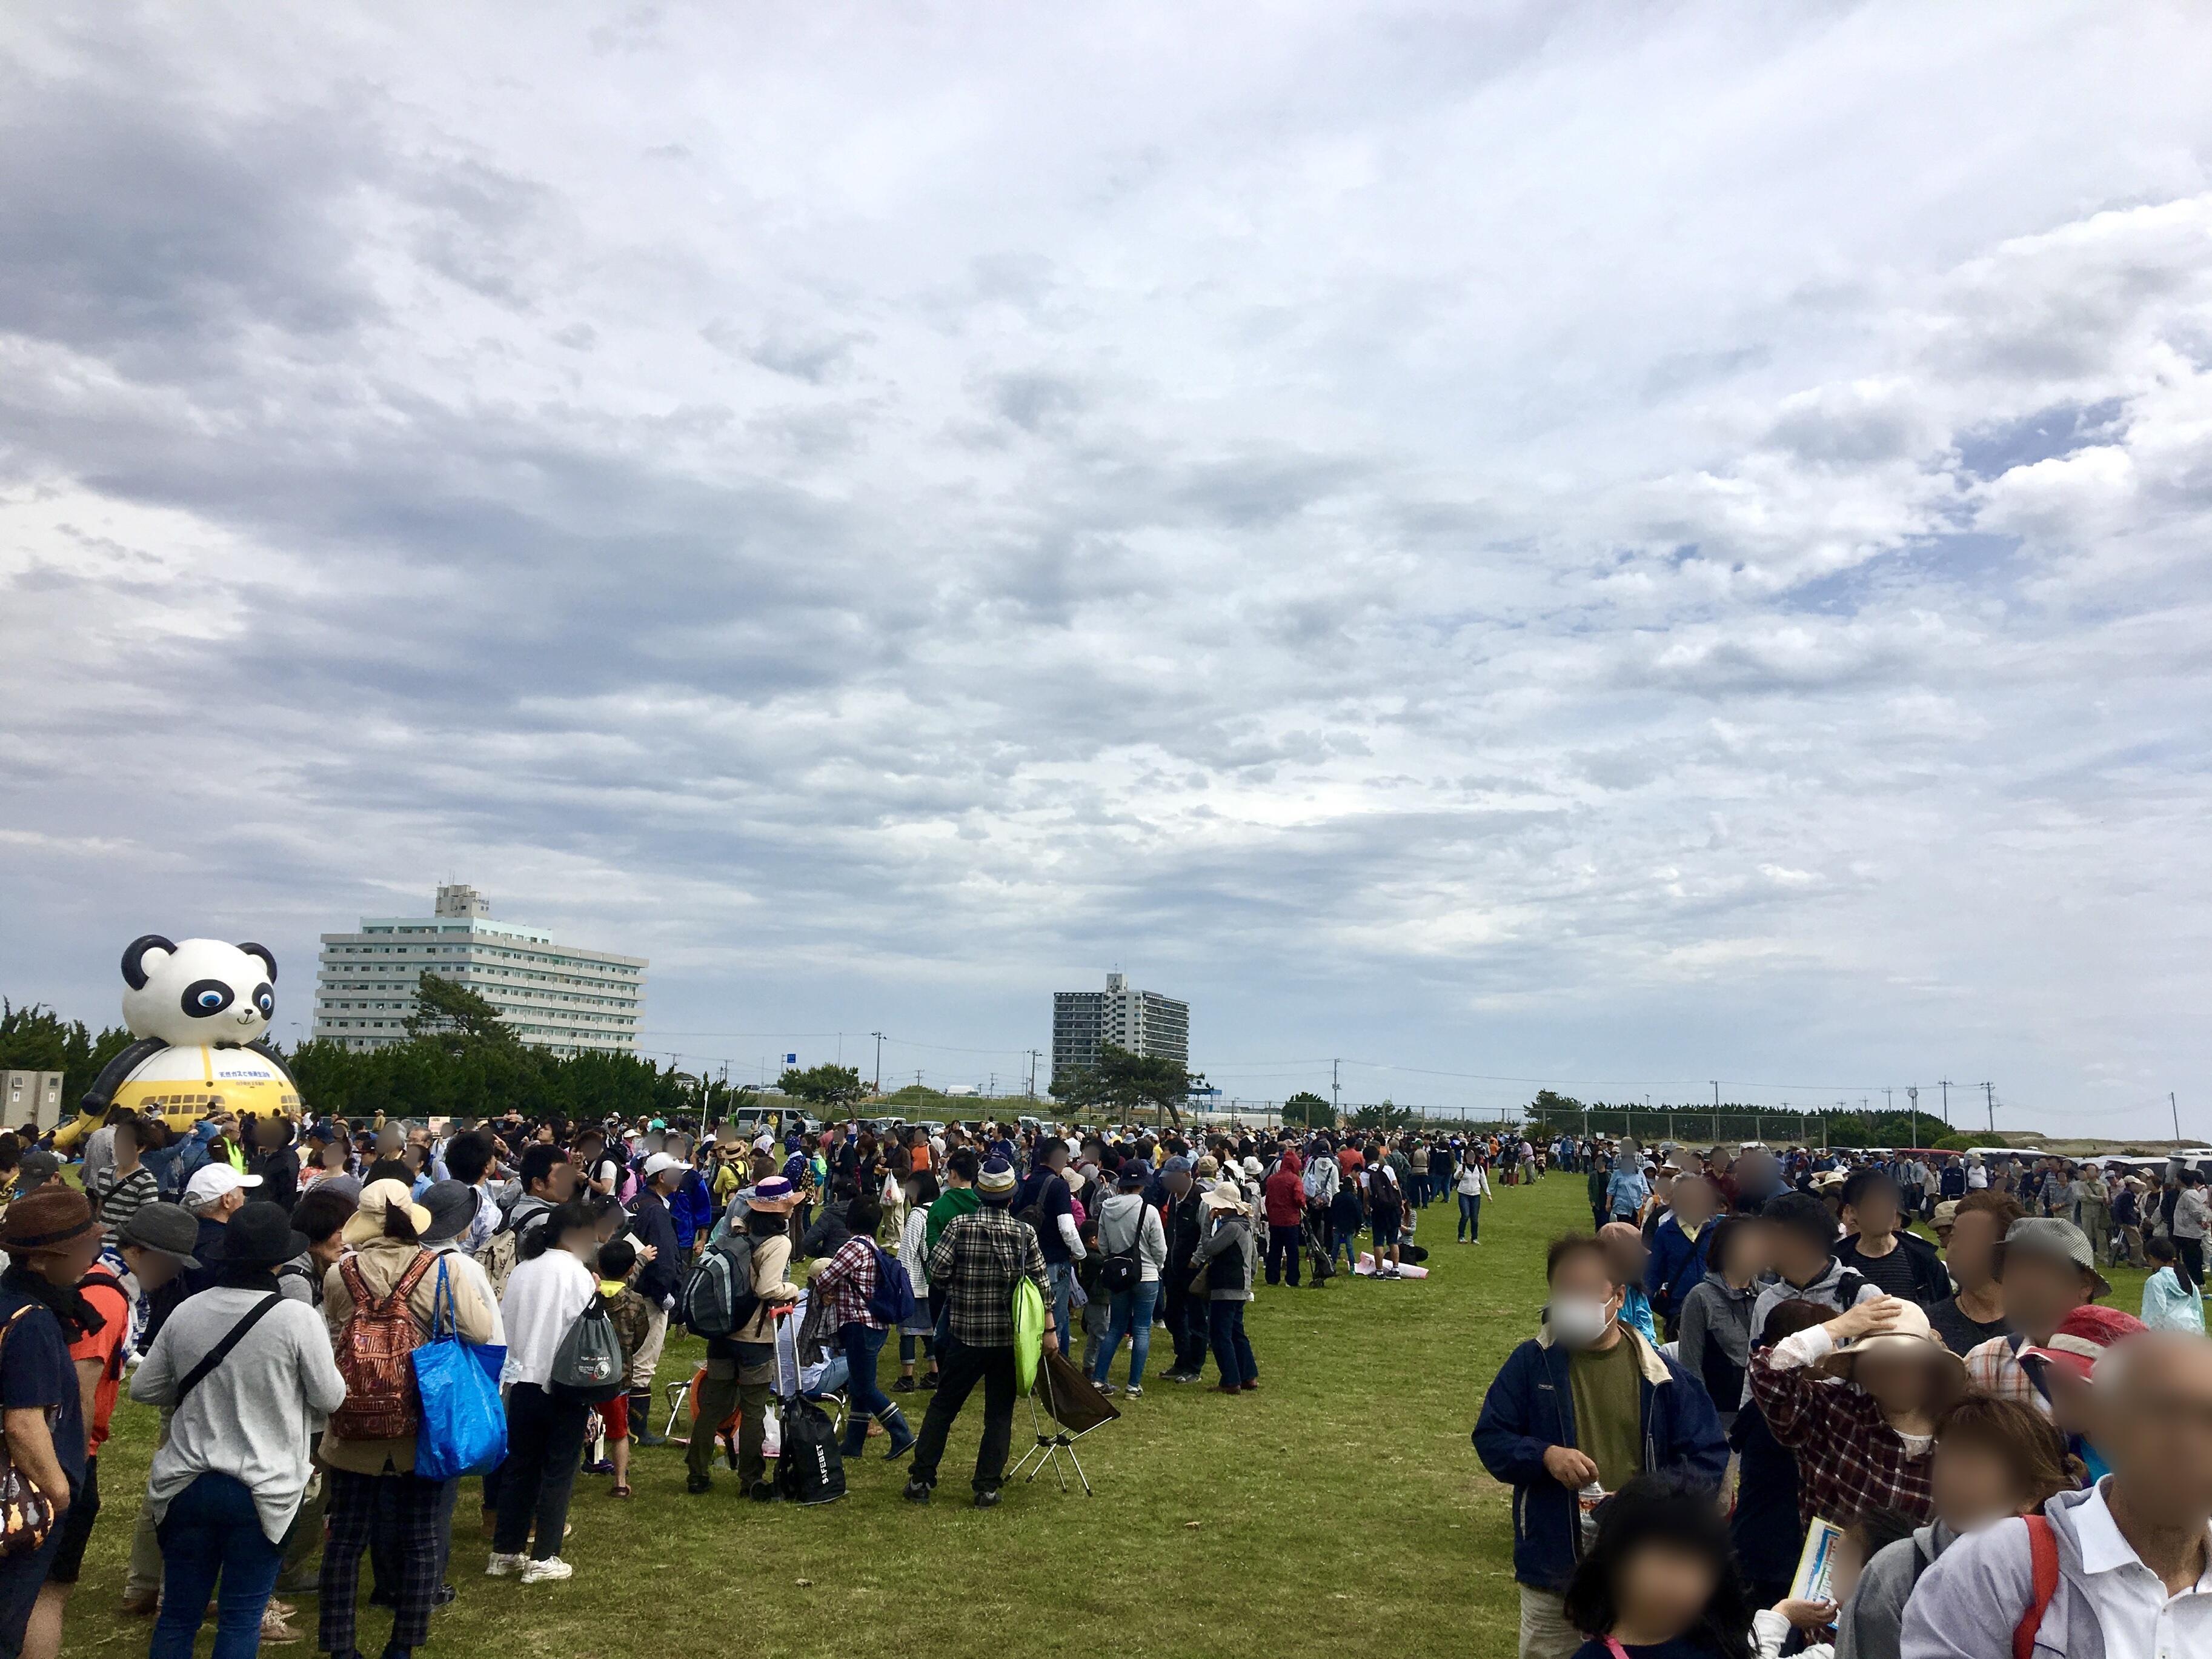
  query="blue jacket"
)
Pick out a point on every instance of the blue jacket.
point(1624, 1193)
point(692, 1209)
point(1530, 1408)
point(1677, 1265)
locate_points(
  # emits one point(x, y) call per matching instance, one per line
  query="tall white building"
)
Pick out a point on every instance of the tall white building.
point(1142, 1021)
point(556, 996)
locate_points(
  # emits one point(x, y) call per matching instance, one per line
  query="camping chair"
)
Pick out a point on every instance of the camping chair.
point(1075, 1407)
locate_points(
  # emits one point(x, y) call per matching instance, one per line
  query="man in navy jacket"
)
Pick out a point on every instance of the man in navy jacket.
point(1528, 1436)
point(1677, 1265)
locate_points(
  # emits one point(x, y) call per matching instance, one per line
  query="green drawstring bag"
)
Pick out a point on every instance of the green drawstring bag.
point(1029, 1333)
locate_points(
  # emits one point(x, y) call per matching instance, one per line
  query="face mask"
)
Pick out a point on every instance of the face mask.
point(1579, 1321)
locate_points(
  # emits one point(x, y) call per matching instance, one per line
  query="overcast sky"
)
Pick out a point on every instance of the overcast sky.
point(1617, 544)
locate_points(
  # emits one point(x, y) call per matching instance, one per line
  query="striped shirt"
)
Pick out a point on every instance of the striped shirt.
point(124, 1197)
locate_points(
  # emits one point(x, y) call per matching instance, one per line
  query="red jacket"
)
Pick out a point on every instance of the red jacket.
point(1283, 1197)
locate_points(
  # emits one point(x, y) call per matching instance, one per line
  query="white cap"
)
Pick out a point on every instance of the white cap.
point(213, 1181)
point(659, 1164)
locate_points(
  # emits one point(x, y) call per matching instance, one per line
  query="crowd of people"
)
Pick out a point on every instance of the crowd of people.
point(265, 1287)
point(1752, 1364)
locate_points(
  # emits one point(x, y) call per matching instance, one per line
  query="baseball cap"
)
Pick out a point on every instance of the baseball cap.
point(2082, 1337)
point(214, 1181)
point(659, 1164)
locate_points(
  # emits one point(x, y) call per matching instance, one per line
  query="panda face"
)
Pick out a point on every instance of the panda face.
point(201, 991)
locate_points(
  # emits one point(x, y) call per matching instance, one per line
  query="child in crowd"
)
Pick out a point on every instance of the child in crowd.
point(2168, 1303)
point(632, 1319)
point(1660, 1580)
point(1864, 1540)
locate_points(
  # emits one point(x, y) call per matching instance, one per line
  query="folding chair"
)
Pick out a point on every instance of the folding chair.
point(1075, 1407)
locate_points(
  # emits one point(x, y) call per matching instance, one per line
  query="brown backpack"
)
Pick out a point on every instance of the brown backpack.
point(375, 1356)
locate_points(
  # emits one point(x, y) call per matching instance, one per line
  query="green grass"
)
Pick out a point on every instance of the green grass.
point(1343, 1495)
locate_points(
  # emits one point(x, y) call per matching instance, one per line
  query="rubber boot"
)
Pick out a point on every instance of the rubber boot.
point(901, 1438)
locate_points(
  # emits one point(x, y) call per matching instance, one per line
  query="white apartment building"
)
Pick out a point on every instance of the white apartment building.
point(1142, 1021)
point(556, 996)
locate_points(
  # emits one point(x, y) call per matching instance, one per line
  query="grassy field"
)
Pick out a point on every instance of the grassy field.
point(1343, 1497)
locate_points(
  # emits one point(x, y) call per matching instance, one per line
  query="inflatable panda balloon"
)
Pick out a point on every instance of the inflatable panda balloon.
point(200, 1012)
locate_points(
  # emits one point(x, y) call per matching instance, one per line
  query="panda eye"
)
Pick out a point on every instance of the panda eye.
point(206, 996)
point(266, 1001)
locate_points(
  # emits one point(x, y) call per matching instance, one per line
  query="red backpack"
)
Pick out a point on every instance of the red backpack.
point(375, 1356)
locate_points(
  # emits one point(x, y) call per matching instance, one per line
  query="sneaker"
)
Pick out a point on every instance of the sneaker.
point(552, 1571)
point(1108, 1389)
point(275, 1633)
point(695, 1483)
point(764, 1491)
point(446, 1597)
point(1132, 1392)
point(904, 1385)
point(917, 1491)
point(504, 1566)
point(1252, 1387)
point(930, 1381)
point(603, 1466)
point(988, 1498)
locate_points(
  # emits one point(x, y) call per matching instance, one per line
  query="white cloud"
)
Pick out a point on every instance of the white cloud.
point(1680, 538)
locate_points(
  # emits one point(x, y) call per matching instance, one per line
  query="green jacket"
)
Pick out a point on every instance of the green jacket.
point(952, 1201)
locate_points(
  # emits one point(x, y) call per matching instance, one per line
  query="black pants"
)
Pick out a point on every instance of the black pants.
point(959, 1368)
point(1185, 1317)
point(406, 1511)
point(2191, 1265)
point(544, 1442)
point(1283, 1247)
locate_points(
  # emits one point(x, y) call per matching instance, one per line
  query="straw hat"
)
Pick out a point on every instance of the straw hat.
point(1224, 1196)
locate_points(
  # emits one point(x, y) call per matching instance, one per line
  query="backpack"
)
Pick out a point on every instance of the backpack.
point(589, 1364)
point(497, 1255)
point(375, 1356)
point(892, 1300)
point(809, 1467)
point(2043, 1561)
point(717, 1299)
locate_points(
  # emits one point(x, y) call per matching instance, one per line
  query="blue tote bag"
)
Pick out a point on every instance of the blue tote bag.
point(463, 1427)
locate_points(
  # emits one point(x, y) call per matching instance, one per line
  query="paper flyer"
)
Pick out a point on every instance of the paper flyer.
point(1816, 1565)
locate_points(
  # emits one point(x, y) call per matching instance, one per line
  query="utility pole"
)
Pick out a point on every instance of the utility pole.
point(1036, 1054)
point(2176, 1110)
point(1912, 1094)
point(878, 1036)
point(1888, 1101)
point(1717, 1112)
point(1990, 1095)
point(1335, 1071)
point(1944, 1083)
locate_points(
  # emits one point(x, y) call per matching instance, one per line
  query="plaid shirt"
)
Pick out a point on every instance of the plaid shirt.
point(979, 1258)
point(850, 1276)
point(1994, 1367)
point(1849, 1460)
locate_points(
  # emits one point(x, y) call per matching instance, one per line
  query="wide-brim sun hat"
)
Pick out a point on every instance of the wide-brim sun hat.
point(772, 1195)
point(378, 1199)
point(2054, 1239)
point(1912, 1335)
point(1224, 1196)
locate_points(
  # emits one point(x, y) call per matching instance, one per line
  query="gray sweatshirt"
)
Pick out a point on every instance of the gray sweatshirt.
point(1872, 1623)
point(1969, 1603)
point(1232, 1232)
point(250, 1416)
point(1124, 1215)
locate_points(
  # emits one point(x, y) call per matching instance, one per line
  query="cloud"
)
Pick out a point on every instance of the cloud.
point(1484, 535)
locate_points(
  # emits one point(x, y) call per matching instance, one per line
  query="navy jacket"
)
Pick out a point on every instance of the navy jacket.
point(651, 1223)
point(1530, 1408)
point(1677, 1267)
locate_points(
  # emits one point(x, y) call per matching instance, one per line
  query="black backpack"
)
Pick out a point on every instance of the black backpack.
point(808, 1468)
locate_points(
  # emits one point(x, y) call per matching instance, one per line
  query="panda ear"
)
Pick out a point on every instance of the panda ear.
point(268, 961)
point(134, 957)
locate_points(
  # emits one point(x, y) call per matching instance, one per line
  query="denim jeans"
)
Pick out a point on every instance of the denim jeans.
point(1131, 1316)
point(1347, 1240)
point(1060, 1275)
point(1233, 1353)
point(862, 1344)
point(212, 1545)
point(1470, 1215)
point(1285, 1246)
